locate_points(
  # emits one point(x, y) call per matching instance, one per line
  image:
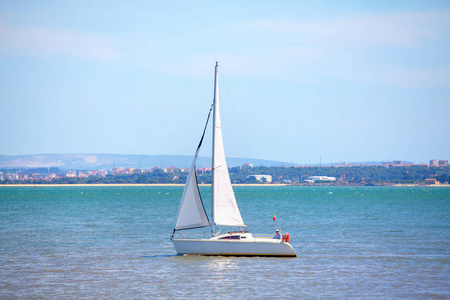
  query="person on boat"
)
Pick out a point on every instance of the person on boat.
point(278, 235)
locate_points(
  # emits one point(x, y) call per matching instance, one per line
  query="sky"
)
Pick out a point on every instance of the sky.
point(300, 81)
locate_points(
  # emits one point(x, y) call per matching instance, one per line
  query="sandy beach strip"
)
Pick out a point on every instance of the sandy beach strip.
point(124, 184)
point(88, 185)
point(182, 184)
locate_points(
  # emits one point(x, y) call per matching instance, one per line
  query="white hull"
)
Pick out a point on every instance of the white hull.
point(255, 247)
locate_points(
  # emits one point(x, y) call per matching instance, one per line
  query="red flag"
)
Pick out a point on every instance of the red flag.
point(274, 217)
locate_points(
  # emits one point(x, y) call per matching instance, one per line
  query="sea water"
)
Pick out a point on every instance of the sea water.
point(114, 242)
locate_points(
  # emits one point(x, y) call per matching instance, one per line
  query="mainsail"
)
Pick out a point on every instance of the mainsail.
point(225, 211)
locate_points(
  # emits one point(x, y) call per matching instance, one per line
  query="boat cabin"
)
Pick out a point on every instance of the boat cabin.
point(236, 235)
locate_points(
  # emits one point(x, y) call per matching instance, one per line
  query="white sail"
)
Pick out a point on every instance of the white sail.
point(225, 210)
point(191, 213)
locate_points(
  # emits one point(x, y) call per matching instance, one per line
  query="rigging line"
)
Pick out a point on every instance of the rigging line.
point(204, 131)
point(237, 115)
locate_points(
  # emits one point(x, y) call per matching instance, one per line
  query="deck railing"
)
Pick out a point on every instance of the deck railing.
point(262, 236)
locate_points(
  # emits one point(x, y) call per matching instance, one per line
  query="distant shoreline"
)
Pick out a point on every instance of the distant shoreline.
point(182, 185)
point(126, 184)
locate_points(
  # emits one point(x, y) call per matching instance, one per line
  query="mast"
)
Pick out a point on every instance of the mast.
point(216, 100)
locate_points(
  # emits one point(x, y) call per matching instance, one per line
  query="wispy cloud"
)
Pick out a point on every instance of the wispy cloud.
point(366, 48)
point(394, 29)
point(47, 42)
point(399, 49)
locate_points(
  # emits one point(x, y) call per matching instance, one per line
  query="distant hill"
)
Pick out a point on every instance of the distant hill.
point(108, 161)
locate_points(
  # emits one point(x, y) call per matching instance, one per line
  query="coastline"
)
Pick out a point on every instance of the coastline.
point(182, 185)
point(124, 184)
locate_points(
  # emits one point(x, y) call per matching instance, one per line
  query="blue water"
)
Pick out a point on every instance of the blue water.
point(114, 242)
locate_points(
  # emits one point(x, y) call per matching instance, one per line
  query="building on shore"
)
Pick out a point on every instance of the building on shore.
point(266, 178)
point(443, 163)
point(431, 181)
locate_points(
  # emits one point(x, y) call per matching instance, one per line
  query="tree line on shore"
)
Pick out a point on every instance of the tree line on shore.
point(357, 175)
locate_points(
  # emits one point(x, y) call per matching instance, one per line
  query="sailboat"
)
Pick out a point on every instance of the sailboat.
point(224, 209)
